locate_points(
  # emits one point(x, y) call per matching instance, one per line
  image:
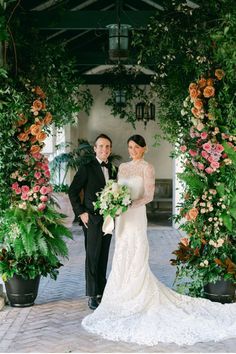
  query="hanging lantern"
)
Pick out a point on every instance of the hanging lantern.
point(118, 41)
point(145, 112)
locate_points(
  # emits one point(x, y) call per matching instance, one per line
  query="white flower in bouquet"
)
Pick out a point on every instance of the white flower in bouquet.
point(113, 200)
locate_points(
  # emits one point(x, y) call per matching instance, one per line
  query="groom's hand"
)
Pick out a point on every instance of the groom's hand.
point(84, 217)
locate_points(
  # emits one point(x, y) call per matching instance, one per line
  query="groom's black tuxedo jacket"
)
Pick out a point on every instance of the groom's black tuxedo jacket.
point(89, 179)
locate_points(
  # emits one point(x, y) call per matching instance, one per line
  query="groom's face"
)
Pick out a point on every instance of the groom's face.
point(102, 149)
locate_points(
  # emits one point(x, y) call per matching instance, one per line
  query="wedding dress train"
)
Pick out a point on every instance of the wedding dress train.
point(138, 308)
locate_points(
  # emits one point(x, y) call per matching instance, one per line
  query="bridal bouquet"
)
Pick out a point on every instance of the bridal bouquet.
point(113, 200)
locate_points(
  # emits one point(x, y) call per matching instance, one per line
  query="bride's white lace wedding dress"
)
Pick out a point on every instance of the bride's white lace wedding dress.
point(136, 307)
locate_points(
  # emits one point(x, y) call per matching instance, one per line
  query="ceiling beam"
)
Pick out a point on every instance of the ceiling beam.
point(72, 20)
point(100, 79)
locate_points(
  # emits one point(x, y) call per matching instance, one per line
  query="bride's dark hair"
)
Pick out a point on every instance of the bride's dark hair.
point(138, 139)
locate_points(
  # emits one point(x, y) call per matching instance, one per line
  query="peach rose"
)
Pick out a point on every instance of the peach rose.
point(23, 137)
point(35, 149)
point(192, 86)
point(196, 112)
point(194, 93)
point(198, 104)
point(40, 92)
point(22, 120)
point(41, 136)
point(193, 213)
point(47, 119)
point(202, 82)
point(33, 139)
point(35, 129)
point(219, 74)
point(37, 105)
point(209, 91)
point(210, 82)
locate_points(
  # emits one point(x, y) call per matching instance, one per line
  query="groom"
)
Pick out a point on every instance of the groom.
point(91, 178)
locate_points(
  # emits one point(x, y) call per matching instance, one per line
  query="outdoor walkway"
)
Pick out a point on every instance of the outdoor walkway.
point(53, 323)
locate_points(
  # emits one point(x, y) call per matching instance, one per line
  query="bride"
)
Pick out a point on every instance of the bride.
point(136, 306)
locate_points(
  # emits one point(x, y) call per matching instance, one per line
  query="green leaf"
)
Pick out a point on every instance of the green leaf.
point(227, 220)
point(233, 212)
point(221, 189)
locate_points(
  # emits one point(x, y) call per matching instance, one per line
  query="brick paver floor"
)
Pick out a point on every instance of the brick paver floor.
point(53, 324)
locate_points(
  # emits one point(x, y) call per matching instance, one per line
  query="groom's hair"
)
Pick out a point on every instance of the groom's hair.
point(102, 136)
point(138, 139)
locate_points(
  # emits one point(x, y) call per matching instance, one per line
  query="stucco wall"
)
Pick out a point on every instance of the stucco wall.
point(101, 121)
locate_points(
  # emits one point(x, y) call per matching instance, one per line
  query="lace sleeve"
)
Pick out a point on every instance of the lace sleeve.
point(149, 187)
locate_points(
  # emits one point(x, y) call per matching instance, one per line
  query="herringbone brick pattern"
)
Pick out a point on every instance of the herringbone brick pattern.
point(53, 324)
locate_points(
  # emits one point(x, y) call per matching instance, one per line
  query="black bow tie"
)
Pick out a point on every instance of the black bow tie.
point(104, 164)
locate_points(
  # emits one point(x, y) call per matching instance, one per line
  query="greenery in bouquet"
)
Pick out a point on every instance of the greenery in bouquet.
point(113, 200)
point(31, 231)
point(207, 214)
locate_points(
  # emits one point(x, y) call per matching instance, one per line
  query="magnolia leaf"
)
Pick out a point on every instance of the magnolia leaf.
point(221, 189)
point(233, 212)
point(233, 200)
point(227, 220)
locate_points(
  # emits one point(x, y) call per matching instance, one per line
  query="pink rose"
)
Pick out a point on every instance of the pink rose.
point(211, 158)
point(209, 170)
point(207, 147)
point(219, 147)
point(193, 152)
point(200, 126)
point(183, 148)
point(41, 181)
point(41, 206)
point(37, 175)
point(204, 154)
point(14, 186)
point(204, 135)
point(25, 189)
point(43, 198)
point(44, 190)
point(18, 190)
point(36, 188)
point(24, 196)
point(47, 173)
point(215, 165)
point(200, 166)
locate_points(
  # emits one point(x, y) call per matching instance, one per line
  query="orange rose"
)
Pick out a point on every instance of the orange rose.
point(47, 119)
point(210, 82)
point(198, 104)
point(35, 129)
point(22, 120)
point(35, 149)
point(192, 86)
point(196, 112)
point(193, 213)
point(194, 93)
point(209, 91)
point(23, 137)
point(40, 92)
point(37, 105)
point(202, 82)
point(41, 136)
point(33, 139)
point(219, 74)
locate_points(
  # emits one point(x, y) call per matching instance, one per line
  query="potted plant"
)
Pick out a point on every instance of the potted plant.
point(207, 145)
point(31, 230)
